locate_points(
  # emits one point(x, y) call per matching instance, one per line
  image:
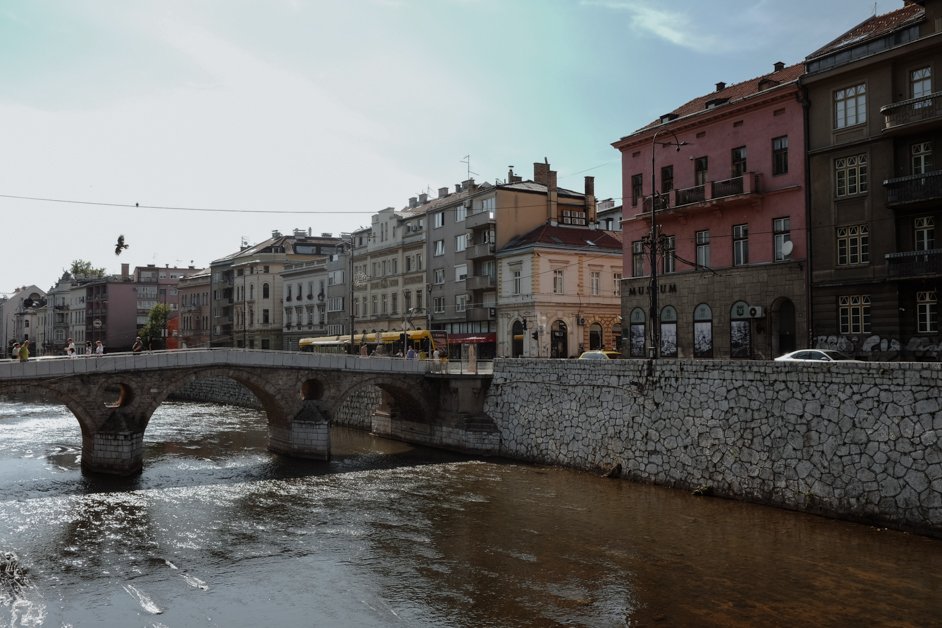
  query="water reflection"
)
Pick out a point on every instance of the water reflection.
point(216, 530)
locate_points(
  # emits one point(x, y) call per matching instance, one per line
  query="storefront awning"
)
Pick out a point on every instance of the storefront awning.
point(471, 339)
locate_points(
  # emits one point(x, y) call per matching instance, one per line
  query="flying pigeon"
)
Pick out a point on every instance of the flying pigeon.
point(120, 245)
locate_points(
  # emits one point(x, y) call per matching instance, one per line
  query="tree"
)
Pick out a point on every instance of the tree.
point(152, 334)
point(83, 268)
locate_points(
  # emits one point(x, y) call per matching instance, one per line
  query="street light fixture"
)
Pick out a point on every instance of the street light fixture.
point(655, 349)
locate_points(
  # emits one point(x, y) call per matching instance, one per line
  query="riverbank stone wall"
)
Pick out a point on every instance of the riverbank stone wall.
point(857, 441)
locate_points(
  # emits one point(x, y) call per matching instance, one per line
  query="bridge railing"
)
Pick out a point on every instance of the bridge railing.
point(53, 366)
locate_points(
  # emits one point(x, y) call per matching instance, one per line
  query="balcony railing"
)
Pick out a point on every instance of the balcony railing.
point(480, 282)
point(914, 263)
point(696, 194)
point(479, 250)
point(480, 313)
point(914, 188)
point(710, 192)
point(905, 112)
point(478, 219)
point(663, 202)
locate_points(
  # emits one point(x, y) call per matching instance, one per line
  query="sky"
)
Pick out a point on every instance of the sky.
point(189, 126)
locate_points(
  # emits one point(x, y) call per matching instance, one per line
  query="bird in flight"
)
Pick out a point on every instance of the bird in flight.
point(120, 246)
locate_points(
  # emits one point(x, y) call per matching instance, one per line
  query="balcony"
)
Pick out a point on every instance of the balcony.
point(915, 188)
point(914, 112)
point(479, 219)
point(479, 250)
point(480, 313)
point(724, 192)
point(480, 282)
point(914, 264)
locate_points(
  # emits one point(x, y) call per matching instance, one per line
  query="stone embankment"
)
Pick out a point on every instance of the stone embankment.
point(857, 441)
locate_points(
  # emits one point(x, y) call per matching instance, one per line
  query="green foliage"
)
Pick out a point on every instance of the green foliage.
point(152, 334)
point(83, 268)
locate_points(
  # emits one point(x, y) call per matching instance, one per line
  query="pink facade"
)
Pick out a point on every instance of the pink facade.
point(729, 173)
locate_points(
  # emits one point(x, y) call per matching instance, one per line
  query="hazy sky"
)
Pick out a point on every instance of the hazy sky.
point(318, 113)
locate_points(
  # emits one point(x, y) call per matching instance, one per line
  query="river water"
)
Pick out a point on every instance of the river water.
point(217, 531)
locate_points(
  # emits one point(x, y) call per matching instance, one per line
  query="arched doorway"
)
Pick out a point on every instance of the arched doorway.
point(783, 327)
point(636, 333)
point(668, 347)
point(559, 340)
point(595, 336)
point(703, 331)
point(740, 331)
point(516, 340)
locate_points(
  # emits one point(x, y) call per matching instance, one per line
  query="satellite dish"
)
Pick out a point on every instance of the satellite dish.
point(787, 248)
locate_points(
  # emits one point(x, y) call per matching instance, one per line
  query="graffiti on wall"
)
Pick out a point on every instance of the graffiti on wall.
point(919, 348)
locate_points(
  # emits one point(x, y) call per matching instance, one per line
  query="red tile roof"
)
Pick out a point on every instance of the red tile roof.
point(733, 93)
point(569, 238)
point(873, 27)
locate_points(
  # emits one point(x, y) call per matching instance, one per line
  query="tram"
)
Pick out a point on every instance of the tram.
point(382, 343)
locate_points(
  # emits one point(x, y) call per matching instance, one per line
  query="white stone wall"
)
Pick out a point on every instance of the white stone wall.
point(858, 441)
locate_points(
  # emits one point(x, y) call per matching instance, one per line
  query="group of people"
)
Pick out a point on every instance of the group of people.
point(98, 350)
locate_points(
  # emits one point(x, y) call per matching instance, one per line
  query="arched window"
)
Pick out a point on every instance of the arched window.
point(595, 336)
point(740, 331)
point(636, 333)
point(252, 291)
point(702, 331)
point(264, 290)
point(669, 332)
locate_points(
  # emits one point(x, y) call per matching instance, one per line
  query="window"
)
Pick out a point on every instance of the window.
point(920, 86)
point(667, 179)
point(461, 302)
point(438, 219)
point(924, 233)
point(461, 272)
point(700, 171)
point(668, 248)
point(394, 300)
point(636, 187)
point(738, 159)
point(703, 331)
point(438, 305)
point(516, 287)
point(265, 290)
point(418, 299)
point(265, 317)
point(461, 242)
point(439, 247)
point(854, 314)
point(853, 245)
point(407, 300)
point(782, 238)
point(384, 307)
point(637, 258)
point(438, 276)
point(850, 106)
point(850, 175)
point(740, 245)
point(780, 155)
point(927, 312)
point(702, 240)
point(616, 278)
point(557, 282)
point(461, 212)
point(374, 307)
point(921, 157)
point(595, 282)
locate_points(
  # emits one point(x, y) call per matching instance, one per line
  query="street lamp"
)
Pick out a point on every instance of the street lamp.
point(655, 350)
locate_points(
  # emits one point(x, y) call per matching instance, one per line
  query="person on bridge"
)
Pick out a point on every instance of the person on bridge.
point(15, 351)
point(70, 348)
point(24, 351)
point(410, 354)
point(99, 348)
point(138, 345)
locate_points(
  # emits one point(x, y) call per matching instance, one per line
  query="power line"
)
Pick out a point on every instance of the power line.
point(184, 209)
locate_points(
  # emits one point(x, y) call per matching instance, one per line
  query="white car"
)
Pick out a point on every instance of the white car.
point(815, 355)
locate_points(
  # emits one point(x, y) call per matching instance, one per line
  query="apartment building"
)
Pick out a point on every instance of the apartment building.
point(193, 290)
point(714, 224)
point(874, 122)
point(305, 301)
point(247, 296)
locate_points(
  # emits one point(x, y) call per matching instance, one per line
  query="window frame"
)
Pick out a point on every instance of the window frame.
point(850, 106)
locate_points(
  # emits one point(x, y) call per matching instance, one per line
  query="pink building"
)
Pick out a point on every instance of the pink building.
point(728, 172)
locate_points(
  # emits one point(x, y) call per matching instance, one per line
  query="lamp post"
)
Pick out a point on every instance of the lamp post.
point(655, 350)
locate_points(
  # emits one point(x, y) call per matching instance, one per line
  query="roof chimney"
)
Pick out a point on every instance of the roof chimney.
point(423, 198)
point(541, 172)
point(442, 192)
point(779, 66)
point(720, 86)
point(413, 201)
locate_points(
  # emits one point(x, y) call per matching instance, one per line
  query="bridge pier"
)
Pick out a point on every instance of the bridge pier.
point(307, 435)
point(115, 453)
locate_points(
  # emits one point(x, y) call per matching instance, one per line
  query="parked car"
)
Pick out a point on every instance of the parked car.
point(600, 354)
point(815, 355)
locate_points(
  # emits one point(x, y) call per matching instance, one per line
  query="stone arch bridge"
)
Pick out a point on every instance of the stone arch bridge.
point(114, 396)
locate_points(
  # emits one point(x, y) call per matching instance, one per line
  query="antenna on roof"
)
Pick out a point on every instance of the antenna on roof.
point(467, 160)
point(874, 9)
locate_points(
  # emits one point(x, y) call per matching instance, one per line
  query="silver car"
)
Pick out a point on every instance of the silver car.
point(815, 355)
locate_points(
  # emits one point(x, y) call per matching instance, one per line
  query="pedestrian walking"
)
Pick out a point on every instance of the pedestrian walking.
point(24, 351)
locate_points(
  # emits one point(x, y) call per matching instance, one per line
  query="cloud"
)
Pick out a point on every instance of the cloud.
point(674, 27)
